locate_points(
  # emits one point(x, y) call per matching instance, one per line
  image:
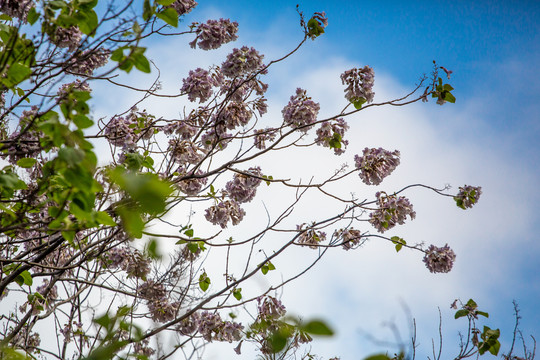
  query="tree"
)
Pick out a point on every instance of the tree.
point(83, 233)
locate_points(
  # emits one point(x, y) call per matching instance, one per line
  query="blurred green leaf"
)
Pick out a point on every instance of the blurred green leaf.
point(26, 162)
point(165, 2)
point(105, 219)
point(378, 357)
point(12, 354)
point(317, 327)
point(32, 16)
point(152, 249)
point(148, 10)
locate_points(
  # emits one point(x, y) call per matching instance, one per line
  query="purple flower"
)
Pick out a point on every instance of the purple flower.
point(301, 111)
point(270, 308)
point(51, 296)
point(230, 331)
point(331, 133)
point(238, 89)
point(184, 152)
point(215, 33)
point(350, 238)
point(262, 136)
point(16, 8)
point(184, 128)
point(192, 185)
point(235, 114)
point(137, 265)
point(142, 348)
point(468, 196)
point(116, 257)
point(183, 6)
point(67, 38)
point(310, 237)
point(392, 210)
point(25, 340)
point(162, 310)
point(199, 85)
point(86, 62)
point(120, 131)
point(244, 187)
point(221, 213)
point(189, 325)
point(359, 84)
point(209, 324)
point(242, 61)
point(439, 260)
point(211, 140)
point(150, 290)
point(376, 164)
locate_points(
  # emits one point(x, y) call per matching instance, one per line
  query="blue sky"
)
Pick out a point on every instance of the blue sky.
point(488, 138)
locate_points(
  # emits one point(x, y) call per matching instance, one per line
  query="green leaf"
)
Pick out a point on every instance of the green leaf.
point(69, 235)
point(123, 311)
point(277, 341)
point(131, 221)
point(449, 97)
point(399, 242)
point(12, 354)
point(267, 267)
point(17, 73)
point(490, 341)
point(165, 2)
point(82, 121)
point(118, 54)
point(24, 278)
point(237, 293)
point(104, 218)
point(314, 28)
point(317, 327)
point(26, 162)
point(358, 103)
point(148, 190)
point(169, 15)
point(193, 247)
point(103, 321)
point(378, 357)
point(71, 156)
point(136, 28)
point(32, 16)
point(461, 313)
point(57, 4)
point(204, 281)
point(152, 249)
point(141, 62)
point(148, 10)
point(484, 314)
point(87, 21)
point(189, 233)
